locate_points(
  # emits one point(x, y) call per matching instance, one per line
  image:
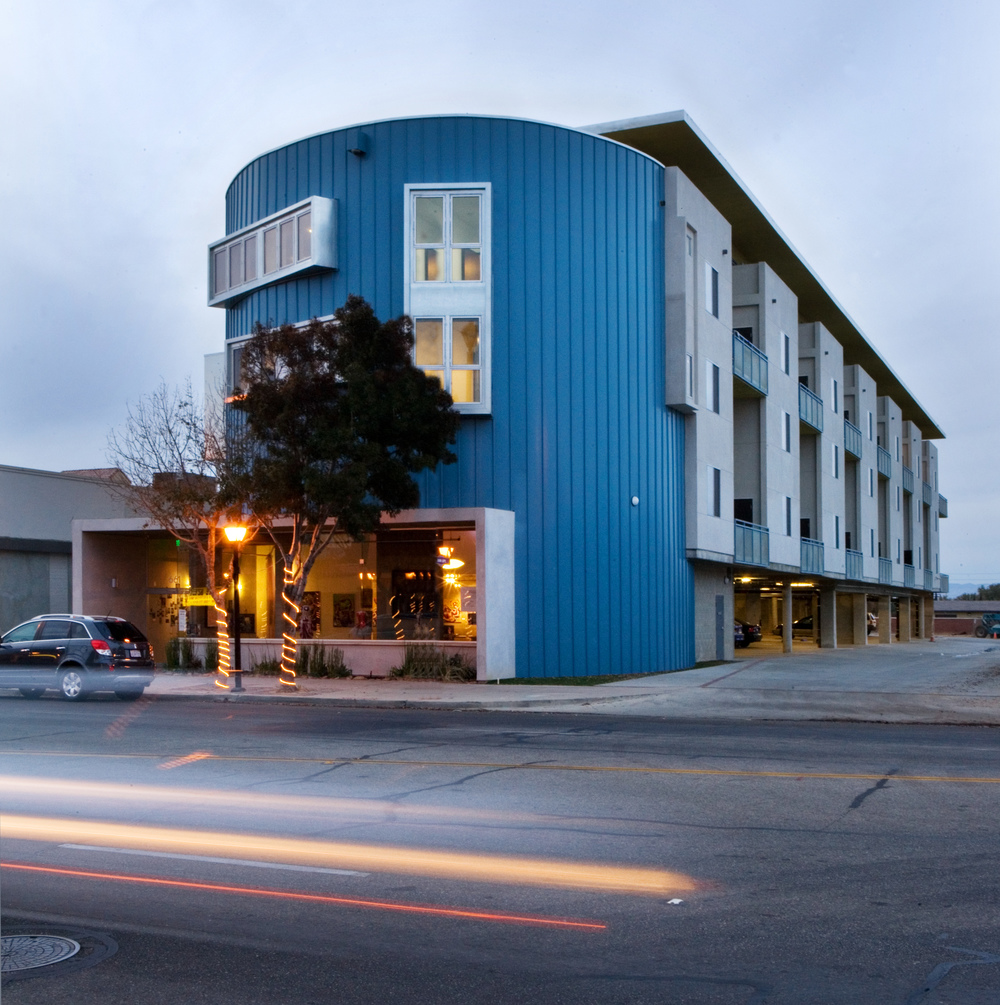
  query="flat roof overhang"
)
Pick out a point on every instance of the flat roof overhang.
point(675, 141)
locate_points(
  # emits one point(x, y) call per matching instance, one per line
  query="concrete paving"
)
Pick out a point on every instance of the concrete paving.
point(953, 680)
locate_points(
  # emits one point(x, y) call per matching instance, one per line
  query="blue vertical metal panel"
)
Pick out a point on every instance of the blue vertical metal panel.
point(578, 425)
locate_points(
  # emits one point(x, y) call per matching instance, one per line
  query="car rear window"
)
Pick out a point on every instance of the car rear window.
point(119, 631)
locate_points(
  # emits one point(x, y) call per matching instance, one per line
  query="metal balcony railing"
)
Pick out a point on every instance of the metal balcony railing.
point(928, 580)
point(907, 480)
point(811, 557)
point(942, 505)
point(928, 494)
point(884, 463)
point(810, 408)
point(852, 439)
point(855, 564)
point(751, 544)
point(909, 576)
point(749, 363)
point(944, 584)
point(885, 570)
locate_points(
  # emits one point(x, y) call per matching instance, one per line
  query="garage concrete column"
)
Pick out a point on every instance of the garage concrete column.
point(927, 621)
point(905, 619)
point(752, 608)
point(814, 611)
point(885, 619)
point(859, 618)
point(768, 614)
point(789, 617)
point(828, 618)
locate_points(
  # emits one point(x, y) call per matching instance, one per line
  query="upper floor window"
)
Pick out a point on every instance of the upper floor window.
point(448, 289)
point(301, 237)
point(711, 290)
point(786, 353)
point(447, 238)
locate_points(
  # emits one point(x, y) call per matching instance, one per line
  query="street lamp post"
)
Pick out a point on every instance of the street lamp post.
point(236, 533)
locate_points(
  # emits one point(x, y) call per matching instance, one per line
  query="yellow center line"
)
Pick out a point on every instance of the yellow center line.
point(522, 766)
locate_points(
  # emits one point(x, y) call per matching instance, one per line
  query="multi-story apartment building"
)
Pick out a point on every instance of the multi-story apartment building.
point(667, 419)
point(811, 475)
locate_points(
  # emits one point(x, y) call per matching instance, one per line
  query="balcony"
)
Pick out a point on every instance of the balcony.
point(885, 570)
point(909, 576)
point(928, 580)
point(811, 557)
point(942, 506)
point(907, 480)
point(750, 545)
point(852, 439)
point(928, 494)
point(943, 584)
point(749, 364)
point(855, 564)
point(884, 463)
point(810, 409)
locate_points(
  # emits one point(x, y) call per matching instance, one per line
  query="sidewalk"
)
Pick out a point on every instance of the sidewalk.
point(953, 680)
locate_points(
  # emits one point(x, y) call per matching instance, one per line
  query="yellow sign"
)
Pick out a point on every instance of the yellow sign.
point(197, 600)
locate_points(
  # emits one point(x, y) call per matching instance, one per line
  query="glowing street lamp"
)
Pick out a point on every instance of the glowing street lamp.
point(236, 533)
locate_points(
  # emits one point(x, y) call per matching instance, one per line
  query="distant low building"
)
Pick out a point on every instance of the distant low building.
point(960, 617)
point(37, 509)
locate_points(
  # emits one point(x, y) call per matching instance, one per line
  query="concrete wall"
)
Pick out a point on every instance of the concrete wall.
point(714, 612)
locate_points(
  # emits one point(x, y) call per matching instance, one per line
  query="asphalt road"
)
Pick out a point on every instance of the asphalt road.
point(831, 863)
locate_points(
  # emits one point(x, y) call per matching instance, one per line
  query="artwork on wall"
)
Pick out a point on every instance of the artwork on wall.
point(310, 623)
point(343, 610)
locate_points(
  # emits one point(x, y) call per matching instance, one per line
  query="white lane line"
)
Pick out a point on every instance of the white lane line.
point(216, 859)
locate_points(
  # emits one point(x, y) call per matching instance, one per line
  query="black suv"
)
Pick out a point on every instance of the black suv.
point(76, 654)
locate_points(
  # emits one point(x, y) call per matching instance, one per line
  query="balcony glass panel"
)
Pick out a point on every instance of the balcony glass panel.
point(852, 439)
point(943, 583)
point(811, 558)
point(810, 408)
point(909, 576)
point(749, 363)
point(928, 580)
point(907, 480)
point(750, 544)
point(884, 463)
point(855, 564)
point(885, 570)
point(942, 506)
point(928, 494)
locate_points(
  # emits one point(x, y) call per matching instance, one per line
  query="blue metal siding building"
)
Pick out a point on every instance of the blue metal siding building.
point(578, 427)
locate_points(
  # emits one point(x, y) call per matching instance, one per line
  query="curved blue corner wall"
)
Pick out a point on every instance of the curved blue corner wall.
point(578, 425)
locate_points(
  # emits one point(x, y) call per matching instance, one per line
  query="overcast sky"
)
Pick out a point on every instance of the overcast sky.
point(868, 131)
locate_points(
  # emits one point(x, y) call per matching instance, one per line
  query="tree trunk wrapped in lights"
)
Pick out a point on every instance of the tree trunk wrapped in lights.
point(337, 421)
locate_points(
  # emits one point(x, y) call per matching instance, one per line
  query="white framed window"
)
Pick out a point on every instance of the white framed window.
point(711, 386)
point(899, 551)
point(788, 516)
point(836, 532)
point(690, 375)
point(871, 426)
point(836, 460)
point(715, 492)
point(303, 236)
point(711, 290)
point(834, 394)
point(873, 542)
point(690, 242)
point(786, 353)
point(899, 498)
point(871, 482)
point(897, 449)
point(786, 432)
point(448, 288)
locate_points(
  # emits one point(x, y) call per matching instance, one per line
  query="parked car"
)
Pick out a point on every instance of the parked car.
point(872, 623)
point(803, 626)
point(738, 635)
point(76, 655)
point(751, 633)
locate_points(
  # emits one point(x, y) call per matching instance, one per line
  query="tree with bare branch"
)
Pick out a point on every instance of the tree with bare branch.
point(174, 457)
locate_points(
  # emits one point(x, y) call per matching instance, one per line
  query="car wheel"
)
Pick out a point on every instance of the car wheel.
point(71, 685)
point(32, 692)
point(128, 695)
point(980, 632)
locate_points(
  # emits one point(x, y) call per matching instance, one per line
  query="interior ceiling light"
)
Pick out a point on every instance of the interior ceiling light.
point(453, 563)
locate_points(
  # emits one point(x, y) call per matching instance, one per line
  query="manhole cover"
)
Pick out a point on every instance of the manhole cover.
point(25, 952)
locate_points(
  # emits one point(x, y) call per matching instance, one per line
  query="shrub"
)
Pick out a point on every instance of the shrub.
point(317, 661)
point(180, 654)
point(268, 668)
point(423, 661)
point(212, 655)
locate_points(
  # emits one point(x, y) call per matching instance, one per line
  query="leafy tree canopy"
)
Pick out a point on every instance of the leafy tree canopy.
point(991, 592)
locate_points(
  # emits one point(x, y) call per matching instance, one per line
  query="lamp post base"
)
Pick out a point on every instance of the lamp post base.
point(237, 680)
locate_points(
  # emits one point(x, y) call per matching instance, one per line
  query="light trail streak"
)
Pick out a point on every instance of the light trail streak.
point(383, 905)
point(214, 859)
point(197, 755)
point(408, 861)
